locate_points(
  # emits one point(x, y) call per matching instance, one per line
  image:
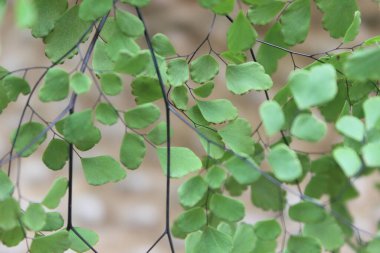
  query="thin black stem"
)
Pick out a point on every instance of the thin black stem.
point(167, 116)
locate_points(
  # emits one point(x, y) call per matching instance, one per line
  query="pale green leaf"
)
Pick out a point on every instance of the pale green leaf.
point(58, 43)
point(142, 116)
point(192, 191)
point(55, 193)
point(243, 170)
point(246, 77)
point(351, 126)
point(56, 85)
point(100, 170)
point(237, 136)
point(129, 24)
point(15, 86)
point(132, 64)
point(285, 163)
point(363, 64)
point(241, 36)
point(6, 186)
point(132, 151)
point(263, 13)
point(158, 134)
point(371, 111)
point(26, 13)
point(29, 137)
point(191, 220)
point(348, 160)
point(77, 243)
point(213, 241)
point(203, 69)
point(314, 87)
point(54, 221)
point(301, 244)
point(80, 83)
point(178, 72)
point(354, 28)
point(309, 128)
point(272, 116)
point(138, 3)
point(106, 114)
point(91, 10)
point(218, 110)
point(34, 217)
point(180, 97)
point(54, 243)
point(226, 208)
point(9, 214)
point(215, 177)
point(204, 90)
point(111, 84)
point(244, 239)
point(296, 22)
point(182, 161)
point(162, 45)
point(267, 229)
point(371, 154)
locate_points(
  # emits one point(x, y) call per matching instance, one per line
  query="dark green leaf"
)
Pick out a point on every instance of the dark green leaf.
point(132, 151)
point(29, 138)
point(56, 154)
point(56, 86)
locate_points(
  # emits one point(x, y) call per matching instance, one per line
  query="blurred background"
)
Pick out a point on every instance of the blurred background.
point(129, 215)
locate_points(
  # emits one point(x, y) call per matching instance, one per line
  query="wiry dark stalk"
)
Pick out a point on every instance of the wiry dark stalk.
point(168, 139)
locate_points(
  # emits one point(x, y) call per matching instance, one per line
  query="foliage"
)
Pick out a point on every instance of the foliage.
point(338, 89)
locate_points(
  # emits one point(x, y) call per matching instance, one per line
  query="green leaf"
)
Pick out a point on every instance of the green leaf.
point(248, 76)
point(58, 43)
point(178, 72)
point(26, 13)
point(48, 12)
point(351, 126)
point(56, 154)
point(215, 177)
point(372, 113)
point(56, 193)
point(227, 208)
point(243, 170)
point(132, 64)
point(129, 24)
point(192, 191)
point(337, 25)
point(28, 133)
point(237, 135)
point(34, 217)
point(363, 65)
point(91, 10)
point(354, 28)
point(314, 87)
point(14, 86)
point(106, 114)
point(54, 243)
point(132, 151)
point(142, 116)
point(182, 161)
point(307, 127)
point(6, 186)
point(162, 45)
point(371, 154)
point(263, 13)
point(56, 85)
point(218, 110)
point(158, 134)
point(213, 241)
point(268, 55)
point(241, 36)
point(77, 243)
point(223, 7)
point(327, 232)
point(146, 89)
point(285, 163)
point(348, 160)
point(204, 90)
point(203, 69)
point(191, 220)
point(244, 239)
point(4, 100)
point(111, 84)
point(9, 214)
point(78, 126)
point(272, 116)
point(213, 137)
point(373, 246)
point(191, 241)
point(13, 237)
point(296, 22)
point(267, 229)
point(180, 97)
point(101, 62)
point(307, 212)
point(54, 221)
point(267, 196)
point(80, 83)
point(301, 244)
point(100, 170)
point(138, 3)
